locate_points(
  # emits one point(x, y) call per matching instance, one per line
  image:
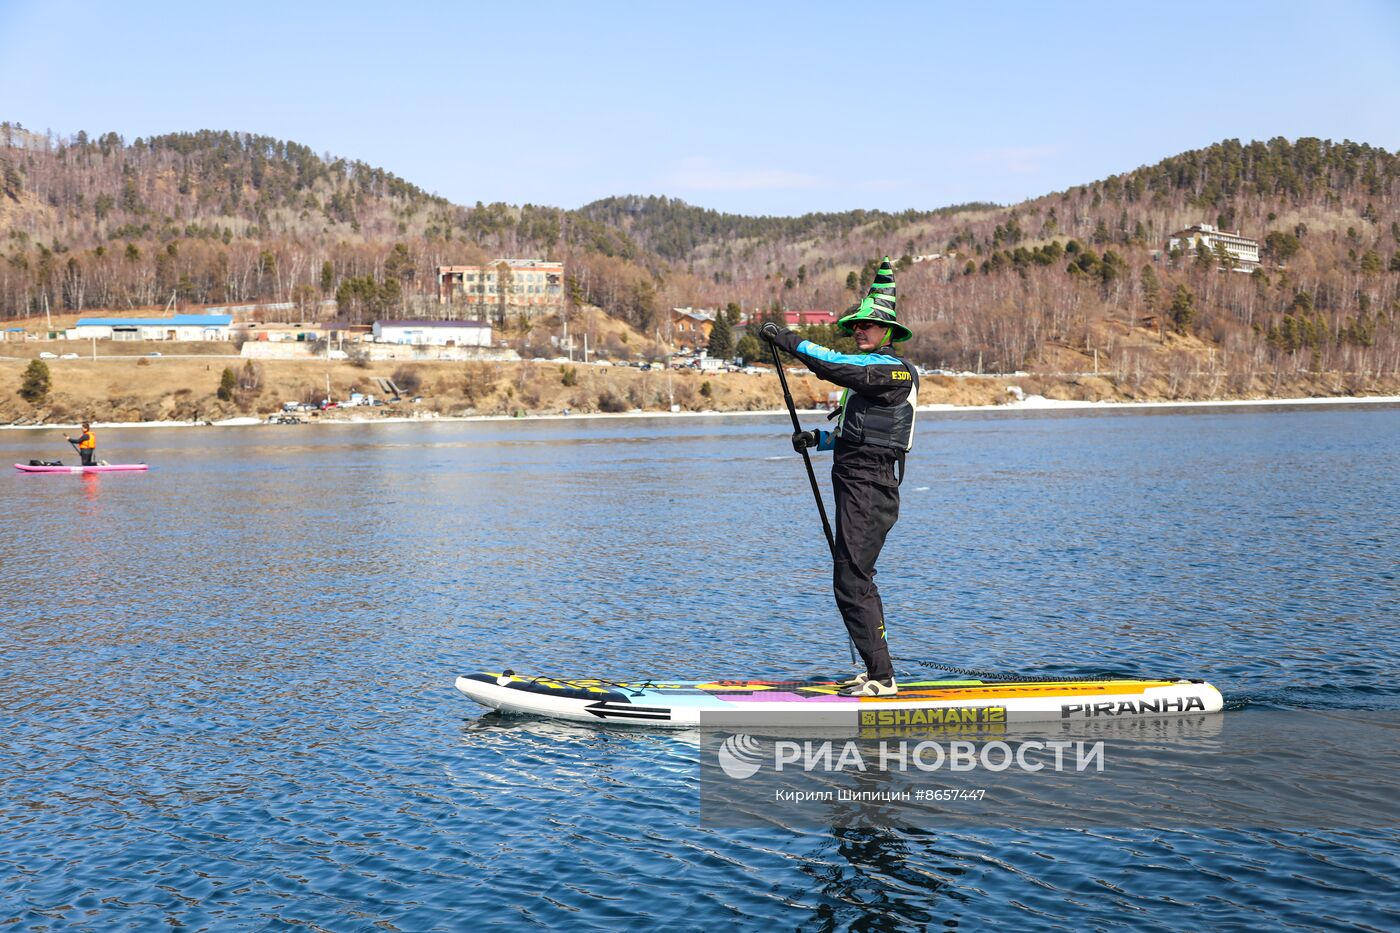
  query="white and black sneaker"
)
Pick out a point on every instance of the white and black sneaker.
point(871, 688)
point(855, 681)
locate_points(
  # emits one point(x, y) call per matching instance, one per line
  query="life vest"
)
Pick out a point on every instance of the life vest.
point(865, 421)
point(87, 441)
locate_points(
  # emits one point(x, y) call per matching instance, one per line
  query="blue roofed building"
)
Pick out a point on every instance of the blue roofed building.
point(187, 327)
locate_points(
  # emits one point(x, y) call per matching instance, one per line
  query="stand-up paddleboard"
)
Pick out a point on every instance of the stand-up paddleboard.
point(107, 468)
point(815, 703)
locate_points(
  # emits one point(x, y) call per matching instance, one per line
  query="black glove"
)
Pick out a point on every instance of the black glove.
point(801, 440)
point(770, 330)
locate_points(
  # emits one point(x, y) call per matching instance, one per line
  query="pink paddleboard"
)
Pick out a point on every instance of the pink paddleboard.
point(109, 468)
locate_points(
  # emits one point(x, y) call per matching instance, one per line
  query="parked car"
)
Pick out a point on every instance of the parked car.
point(69, 356)
point(46, 355)
point(154, 353)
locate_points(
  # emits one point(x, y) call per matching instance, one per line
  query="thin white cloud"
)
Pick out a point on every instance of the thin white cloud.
point(1017, 160)
point(882, 185)
point(698, 173)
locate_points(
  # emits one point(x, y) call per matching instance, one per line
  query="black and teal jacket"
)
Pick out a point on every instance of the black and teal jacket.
point(876, 418)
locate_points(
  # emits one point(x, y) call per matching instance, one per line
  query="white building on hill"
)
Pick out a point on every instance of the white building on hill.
point(1196, 236)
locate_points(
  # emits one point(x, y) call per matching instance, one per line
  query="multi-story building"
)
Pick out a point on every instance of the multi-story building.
point(1197, 236)
point(529, 286)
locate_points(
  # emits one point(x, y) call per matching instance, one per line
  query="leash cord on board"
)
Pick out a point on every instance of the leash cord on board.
point(1014, 678)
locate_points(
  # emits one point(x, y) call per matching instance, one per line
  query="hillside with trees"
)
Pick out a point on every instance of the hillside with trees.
point(1080, 279)
point(1075, 285)
point(217, 217)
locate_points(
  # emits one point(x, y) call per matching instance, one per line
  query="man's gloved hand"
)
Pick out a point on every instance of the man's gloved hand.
point(801, 440)
point(770, 330)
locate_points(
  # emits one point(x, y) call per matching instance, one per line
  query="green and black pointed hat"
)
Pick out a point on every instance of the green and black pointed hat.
point(878, 306)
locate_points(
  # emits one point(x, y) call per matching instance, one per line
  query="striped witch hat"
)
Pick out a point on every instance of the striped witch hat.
point(878, 306)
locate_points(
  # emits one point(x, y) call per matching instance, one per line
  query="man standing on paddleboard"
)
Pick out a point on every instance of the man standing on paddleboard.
point(874, 431)
point(85, 442)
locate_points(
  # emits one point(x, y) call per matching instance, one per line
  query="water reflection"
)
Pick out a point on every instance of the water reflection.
point(881, 879)
point(228, 681)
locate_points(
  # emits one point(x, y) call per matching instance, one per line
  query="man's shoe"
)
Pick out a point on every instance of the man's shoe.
point(855, 681)
point(872, 688)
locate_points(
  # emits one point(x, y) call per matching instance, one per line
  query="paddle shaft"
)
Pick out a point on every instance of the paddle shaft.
point(811, 474)
point(806, 459)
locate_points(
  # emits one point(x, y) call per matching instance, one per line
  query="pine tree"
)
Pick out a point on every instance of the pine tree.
point(749, 349)
point(1205, 258)
point(721, 338)
point(1224, 259)
point(227, 383)
point(1151, 288)
point(1183, 309)
point(34, 387)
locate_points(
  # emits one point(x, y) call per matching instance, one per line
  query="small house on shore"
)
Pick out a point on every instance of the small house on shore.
point(691, 327)
point(433, 333)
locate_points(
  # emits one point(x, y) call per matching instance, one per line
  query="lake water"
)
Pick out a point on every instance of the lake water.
point(227, 696)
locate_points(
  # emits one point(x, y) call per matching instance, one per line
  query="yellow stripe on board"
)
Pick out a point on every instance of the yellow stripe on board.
point(1013, 691)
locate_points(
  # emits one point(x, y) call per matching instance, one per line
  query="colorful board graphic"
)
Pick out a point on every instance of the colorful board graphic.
point(817, 703)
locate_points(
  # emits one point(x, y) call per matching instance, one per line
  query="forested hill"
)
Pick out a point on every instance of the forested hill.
point(83, 183)
point(1081, 279)
point(677, 230)
point(1052, 283)
point(216, 216)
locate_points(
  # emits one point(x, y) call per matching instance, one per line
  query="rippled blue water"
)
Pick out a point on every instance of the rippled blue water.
point(228, 701)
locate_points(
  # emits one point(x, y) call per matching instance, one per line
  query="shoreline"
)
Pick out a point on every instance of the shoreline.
point(1030, 404)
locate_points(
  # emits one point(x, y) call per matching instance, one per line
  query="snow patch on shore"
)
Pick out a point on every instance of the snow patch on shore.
point(1029, 403)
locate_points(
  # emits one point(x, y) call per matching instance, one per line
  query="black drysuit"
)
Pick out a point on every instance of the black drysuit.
point(874, 433)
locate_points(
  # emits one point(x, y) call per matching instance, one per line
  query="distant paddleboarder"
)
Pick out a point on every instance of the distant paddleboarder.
point(874, 431)
point(86, 444)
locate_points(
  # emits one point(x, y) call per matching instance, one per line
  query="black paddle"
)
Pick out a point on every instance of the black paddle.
point(806, 458)
point(811, 474)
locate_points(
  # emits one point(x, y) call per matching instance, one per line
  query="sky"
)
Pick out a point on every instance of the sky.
point(747, 107)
